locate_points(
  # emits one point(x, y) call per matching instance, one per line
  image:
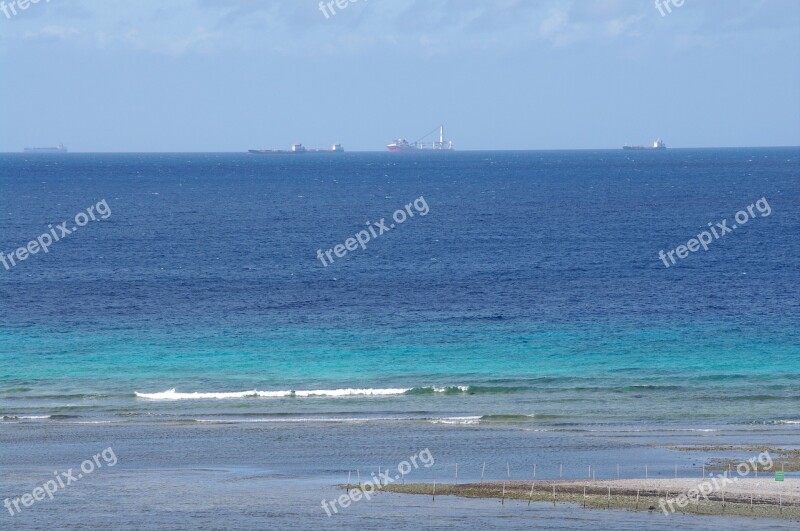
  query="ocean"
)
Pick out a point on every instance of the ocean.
point(523, 316)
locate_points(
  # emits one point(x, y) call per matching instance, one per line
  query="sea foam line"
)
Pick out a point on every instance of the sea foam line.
point(464, 421)
point(173, 394)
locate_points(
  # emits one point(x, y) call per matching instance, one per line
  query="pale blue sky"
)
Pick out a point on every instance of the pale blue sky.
point(228, 75)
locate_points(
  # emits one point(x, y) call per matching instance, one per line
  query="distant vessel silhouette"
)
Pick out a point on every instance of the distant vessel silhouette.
point(61, 148)
point(297, 148)
point(658, 144)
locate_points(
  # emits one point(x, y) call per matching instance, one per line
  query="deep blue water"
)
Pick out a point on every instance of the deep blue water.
point(530, 299)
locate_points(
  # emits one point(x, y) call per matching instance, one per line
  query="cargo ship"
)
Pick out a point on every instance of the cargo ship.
point(297, 148)
point(336, 148)
point(61, 148)
point(658, 144)
point(402, 145)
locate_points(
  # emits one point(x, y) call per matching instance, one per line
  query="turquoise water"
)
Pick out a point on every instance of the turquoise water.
point(478, 370)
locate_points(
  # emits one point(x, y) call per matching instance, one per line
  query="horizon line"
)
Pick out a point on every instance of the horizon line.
point(22, 152)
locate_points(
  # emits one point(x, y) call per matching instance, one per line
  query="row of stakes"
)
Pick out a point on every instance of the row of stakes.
point(592, 472)
point(592, 476)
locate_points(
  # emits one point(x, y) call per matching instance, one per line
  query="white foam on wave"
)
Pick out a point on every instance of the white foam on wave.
point(789, 422)
point(172, 394)
point(457, 420)
point(352, 420)
point(656, 430)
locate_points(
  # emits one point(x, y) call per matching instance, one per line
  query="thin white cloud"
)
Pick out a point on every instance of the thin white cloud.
point(420, 27)
point(53, 32)
point(624, 26)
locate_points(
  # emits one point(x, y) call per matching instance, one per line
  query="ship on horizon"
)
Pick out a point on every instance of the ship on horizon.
point(61, 148)
point(658, 144)
point(402, 145)
point(295, 149)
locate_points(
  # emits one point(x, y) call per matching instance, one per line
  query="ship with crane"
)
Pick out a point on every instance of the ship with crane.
point(401, 145)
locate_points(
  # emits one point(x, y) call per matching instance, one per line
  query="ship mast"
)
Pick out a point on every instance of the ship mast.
point(441, 135)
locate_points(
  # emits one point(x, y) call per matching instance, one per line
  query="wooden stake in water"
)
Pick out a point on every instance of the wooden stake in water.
point(379, 476)
point(531, 496)
point(609, 497)
point(554, 495)
point(434, 489)
point(584, 496)
point(483, 470)
point(561, 471)
point(359, 478)
point(456, 473)
point(704, 470)
point(637, 498)
point(508, 471)
point(590, 471)
point(402, 476)
point(645, 471)
point(534, 471)
point(503, 499)
point(348, 478)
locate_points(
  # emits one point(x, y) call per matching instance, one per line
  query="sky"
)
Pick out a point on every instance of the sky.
point(231, 75)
